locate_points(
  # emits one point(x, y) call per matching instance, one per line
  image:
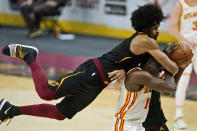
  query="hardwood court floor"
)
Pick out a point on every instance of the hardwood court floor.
point(96, 117)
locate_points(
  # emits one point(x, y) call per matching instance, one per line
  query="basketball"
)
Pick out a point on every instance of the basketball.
point(182, 54)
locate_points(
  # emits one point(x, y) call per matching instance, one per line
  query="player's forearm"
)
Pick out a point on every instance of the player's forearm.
point(177, 35)
point(168, 85)
point(168, 64)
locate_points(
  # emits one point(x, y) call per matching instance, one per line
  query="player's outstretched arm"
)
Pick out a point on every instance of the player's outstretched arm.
point(143, 44)
point(136, 79)
point(173, 27)
point(174, 22)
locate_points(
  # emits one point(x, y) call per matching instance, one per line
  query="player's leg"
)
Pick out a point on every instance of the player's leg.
point(8, 111)
point(195, 61)
point(28, 54)
point(180, 97)
point(71, 105)
point(70, 85)
point(42, 110)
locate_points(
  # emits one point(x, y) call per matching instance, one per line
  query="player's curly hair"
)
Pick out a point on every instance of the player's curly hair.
point(146, 16)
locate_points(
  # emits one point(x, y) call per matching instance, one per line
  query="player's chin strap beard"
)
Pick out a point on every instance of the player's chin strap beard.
point(149, 33)
point(153, 36)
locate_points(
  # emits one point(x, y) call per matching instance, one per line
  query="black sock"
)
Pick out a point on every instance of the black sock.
point(29, 59)
point(14, 111)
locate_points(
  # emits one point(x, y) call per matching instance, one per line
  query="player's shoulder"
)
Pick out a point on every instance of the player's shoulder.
point(143, 38)
point(134, 70)
point(137, 72)
point(144, 41)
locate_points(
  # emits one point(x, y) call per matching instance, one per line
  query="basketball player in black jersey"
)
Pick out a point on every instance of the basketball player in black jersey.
point(83, 85)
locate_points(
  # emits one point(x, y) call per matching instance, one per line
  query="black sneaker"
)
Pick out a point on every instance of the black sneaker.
point(20, 51)
point(5, 108)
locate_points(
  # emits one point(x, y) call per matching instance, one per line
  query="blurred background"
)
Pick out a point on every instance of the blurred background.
point(78, 30)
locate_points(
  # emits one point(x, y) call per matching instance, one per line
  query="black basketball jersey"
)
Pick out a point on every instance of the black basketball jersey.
point(121, 57)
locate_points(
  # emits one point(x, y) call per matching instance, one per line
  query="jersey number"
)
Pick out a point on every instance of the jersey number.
point(195, 25)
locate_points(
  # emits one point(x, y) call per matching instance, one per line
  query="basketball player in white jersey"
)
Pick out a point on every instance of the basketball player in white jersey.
point(183, 26)
point(135, 95)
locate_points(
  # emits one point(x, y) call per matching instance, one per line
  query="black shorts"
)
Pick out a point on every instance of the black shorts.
point(155, 118)
point(78, 88)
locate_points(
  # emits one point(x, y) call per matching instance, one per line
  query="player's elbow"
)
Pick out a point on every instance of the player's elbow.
point(170, 88)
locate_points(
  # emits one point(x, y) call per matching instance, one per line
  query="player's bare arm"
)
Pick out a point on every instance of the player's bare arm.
point(173, 27)
point(136, 79)
point(174, 20)
point(144, 44)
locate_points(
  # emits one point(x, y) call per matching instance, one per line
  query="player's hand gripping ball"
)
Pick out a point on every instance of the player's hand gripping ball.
point(182, 54)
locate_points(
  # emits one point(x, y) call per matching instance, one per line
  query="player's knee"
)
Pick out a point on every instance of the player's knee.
point(61, 118)
point(45, 97)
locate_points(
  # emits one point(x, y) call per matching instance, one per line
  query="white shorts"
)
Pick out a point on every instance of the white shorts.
point(124, 125)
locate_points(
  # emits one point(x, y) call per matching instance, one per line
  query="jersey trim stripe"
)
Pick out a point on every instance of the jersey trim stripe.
point(147, 103)
point(119, 125)
point(125, 59)
point(125, 104)
point(141, 89)
point(67, 77)
point(129, 106)
point(116, 125)
point(189, 4)
point(122, 125)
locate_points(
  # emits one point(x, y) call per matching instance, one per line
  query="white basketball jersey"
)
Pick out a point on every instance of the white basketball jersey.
point(188, 21)
point(133, 106)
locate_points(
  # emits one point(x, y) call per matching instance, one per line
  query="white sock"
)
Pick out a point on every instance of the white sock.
point(179, 112)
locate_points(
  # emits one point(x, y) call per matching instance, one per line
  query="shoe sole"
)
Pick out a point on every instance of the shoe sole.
point(26, 46)
point(2, 104)
point(176, 127)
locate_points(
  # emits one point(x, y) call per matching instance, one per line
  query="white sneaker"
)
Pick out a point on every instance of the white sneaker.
point(180, 123)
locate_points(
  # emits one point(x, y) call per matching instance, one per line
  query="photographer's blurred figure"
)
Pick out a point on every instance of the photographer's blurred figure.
point(34, 10)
